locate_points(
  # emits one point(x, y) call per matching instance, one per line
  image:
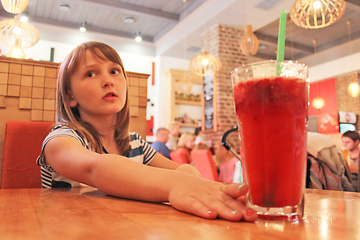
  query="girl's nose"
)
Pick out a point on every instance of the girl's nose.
point(107, 82)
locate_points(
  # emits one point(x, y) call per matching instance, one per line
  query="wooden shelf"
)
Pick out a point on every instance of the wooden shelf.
point(189, 125)
point(188, 102)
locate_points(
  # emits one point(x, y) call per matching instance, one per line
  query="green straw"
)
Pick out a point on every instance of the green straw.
point(281, 41)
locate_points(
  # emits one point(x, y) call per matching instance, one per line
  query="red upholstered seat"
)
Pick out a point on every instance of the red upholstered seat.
point(180, 156)
point(204, 163)
point(22, 145)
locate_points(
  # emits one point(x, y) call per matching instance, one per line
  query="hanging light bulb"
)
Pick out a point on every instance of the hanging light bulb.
point(354, 87)
point(249, 44)
point(138, 37)
point(16, 51)
point(82, 27)
point(318, 103)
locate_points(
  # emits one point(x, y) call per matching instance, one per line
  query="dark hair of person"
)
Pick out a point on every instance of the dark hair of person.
point(352, 134)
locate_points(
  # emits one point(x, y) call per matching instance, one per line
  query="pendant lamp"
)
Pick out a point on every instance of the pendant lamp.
point(314, 14)
point(18, 34)
point(249, 44)
point(318, 102)
point(205, 64)
point(14, 6)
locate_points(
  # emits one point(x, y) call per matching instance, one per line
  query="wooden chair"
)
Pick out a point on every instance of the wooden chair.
point(204, 163)
point(22, 145)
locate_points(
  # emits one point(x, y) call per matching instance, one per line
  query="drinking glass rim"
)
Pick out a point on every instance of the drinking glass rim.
point(265, 62)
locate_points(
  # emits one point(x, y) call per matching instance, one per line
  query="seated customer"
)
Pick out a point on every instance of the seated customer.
point(350, 140)
point(173, 136)
point(186, 141)
point(185, 145)
point(227, 162)
point(162, 136)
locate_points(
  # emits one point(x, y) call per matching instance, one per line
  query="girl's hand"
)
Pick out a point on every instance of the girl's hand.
point(188, 169)
point(209, 199)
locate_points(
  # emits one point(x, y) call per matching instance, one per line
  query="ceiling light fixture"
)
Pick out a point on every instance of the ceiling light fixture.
point(63, 7)
point(249, 43)
point(314, 14)
point(318, 102)
point(205, 64)
point(83, 27)
point(138, 37)
point(128, 19)
point(14, 7)
point(17, 34)
point(24, 17)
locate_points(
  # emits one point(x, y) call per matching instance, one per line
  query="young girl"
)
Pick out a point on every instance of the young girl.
point(91, 144)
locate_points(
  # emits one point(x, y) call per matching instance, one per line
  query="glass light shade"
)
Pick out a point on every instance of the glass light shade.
point(205, 64)
point(354, 89)
point(249, 44)
point(314, 14)
point(14, 6)
point(318, 103)
point(12, 30)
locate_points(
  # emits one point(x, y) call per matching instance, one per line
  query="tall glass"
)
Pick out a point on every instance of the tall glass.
point(271, 104)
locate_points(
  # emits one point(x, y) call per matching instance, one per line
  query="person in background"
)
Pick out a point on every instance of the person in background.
point(91, 144)
point(187, 141)
point(350, 140)
point(200, 141)
point(162, 136)
point(174, 129)
point(226, 161)
point(198, 136)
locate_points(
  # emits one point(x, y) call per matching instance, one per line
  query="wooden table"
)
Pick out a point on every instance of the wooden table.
point(85, 213)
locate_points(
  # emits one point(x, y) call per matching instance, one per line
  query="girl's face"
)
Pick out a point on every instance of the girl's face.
point(190, 143)
point(97, 88)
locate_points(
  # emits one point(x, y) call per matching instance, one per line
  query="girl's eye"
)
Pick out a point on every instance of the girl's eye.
point(115, 71)
point(90, 74)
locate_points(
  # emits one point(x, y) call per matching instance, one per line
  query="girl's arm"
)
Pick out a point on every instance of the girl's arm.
point(163, 162)
point(118, 176)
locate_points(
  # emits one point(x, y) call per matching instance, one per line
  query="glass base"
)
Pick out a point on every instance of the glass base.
point(287, 213)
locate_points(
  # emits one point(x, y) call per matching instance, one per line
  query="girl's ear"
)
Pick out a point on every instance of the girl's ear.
point(71, 100)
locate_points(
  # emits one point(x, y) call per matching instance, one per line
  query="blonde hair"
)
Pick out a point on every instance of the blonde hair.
point(185, 137)
point(69, 116)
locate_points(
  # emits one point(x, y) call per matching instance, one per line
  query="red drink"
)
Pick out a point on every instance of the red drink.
point(272, 115)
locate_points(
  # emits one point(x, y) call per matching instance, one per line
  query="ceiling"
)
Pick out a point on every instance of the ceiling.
point(170, 26)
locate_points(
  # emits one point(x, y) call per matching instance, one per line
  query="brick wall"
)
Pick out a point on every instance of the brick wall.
point(223, 42)
point(345, 102)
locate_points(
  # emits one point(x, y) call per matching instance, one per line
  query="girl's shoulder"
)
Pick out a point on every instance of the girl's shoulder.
point(64, 130)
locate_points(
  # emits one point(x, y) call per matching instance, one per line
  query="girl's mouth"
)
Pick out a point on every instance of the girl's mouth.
point(110, 94)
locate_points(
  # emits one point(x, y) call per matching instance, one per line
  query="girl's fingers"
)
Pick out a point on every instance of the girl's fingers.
point(195, 207)
point(235, 190)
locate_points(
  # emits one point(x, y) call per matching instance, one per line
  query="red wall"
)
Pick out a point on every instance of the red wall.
point(327, 91)
point(327, 116)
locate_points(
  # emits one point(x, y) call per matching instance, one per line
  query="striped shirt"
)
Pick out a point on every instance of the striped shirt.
point(141, 152)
